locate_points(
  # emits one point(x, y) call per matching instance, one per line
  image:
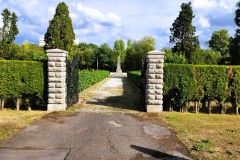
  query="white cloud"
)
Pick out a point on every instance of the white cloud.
point(1, 23)
point(97, 16)
point(204, 22)
point(204, 4)
point(51, 10)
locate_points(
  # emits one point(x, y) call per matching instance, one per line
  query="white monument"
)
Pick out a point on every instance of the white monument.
point(119, 70)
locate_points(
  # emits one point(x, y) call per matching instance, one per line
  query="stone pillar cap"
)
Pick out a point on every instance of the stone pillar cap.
point(156, 52)
point(56, 51)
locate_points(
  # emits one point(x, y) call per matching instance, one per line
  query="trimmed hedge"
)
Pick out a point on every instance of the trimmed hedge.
point(88, 78)
point(198, 83)
point(135, 77)
point(22, 78)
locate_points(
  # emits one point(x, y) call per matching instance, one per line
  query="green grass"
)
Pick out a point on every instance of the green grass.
point(207, 136)
point(11, 121)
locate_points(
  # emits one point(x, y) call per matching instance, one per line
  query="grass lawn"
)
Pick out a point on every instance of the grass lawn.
point(11, 121)
point(206, 136)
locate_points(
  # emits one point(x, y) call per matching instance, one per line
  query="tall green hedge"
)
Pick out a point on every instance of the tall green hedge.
point(135, 77)
point(88, 78)
point(199, 83)
point(19, 78)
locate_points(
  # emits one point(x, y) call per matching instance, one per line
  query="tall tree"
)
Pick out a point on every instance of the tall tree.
point(7, 33)
point(119, 47)
point(183, 32)
point(235, 42)
point(60, 33)
point(137, 51)
point(220, 41)
point(9, 29)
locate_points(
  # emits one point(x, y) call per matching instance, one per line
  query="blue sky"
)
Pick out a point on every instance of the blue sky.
point(96, 21)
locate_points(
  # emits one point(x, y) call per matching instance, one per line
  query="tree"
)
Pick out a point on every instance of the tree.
point(60, 33)
point(9, 29)
point(7, 33)
point(119, 49)
point(235, 42)
point(220, 41)
point(137, 51)
point(183, 33)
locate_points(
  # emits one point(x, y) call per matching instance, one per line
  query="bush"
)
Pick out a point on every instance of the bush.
point(19, 78)
point(88, 78)
point(135, 77)
point(184, 83)
point(205, 56)
point(179, 84)
point(175, 58)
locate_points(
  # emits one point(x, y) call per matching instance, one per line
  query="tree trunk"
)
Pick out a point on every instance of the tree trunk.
point(18, 104)
point(196, 107)
point(2, 103)
point(237, 109)
point(209, 107)
point(222, 108)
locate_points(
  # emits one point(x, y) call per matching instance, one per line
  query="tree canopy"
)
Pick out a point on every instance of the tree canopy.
point(136, 51)
point(7, 33)
point(60, 33)
point(183, 32)
point(220, 41)
point(235, 42)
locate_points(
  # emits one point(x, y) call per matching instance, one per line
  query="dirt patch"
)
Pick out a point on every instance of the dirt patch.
point(56, 115)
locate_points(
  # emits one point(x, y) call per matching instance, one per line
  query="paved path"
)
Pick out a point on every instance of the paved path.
point(99, 128)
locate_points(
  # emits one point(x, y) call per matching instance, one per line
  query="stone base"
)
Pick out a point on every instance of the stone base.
point(56, 107)
point(119, 71)
point(154, 108)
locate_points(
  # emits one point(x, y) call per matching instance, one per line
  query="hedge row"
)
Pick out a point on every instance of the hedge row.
point(199, 84)
point(19, 78)
point(88, 78)
point(135, 77)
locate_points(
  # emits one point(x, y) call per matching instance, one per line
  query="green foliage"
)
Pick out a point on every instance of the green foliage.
point(234, 86)
point(136, 51)
point(170, 57)
point(9, 29)
point(205, 56)
point(183, 33)
point(60, 33)
point(106, 58)
point(235, 41)
point(18, 78)
point(220, 41)
point(179, 84)
point(88, 78)
point(213, 80)
point(135, 77)
point(185, 82)
point(7, 34)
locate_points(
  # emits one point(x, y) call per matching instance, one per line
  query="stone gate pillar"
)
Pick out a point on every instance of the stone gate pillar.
point(57, 80)
point(154, 81)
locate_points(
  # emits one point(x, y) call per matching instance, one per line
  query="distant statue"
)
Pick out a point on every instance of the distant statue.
point(119, 70)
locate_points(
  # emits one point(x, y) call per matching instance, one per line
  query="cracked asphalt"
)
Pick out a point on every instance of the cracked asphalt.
point(99, 128)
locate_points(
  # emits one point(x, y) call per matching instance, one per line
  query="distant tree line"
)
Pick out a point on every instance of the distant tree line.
point(223, 49)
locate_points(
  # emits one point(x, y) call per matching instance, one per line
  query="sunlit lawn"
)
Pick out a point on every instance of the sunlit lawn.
point(11, 121)
point(207, 136)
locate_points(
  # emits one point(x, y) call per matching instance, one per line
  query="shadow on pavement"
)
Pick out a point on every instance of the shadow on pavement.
point(130, 99)
point(154, 153)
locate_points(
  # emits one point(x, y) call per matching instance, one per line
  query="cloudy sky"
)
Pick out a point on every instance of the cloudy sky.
point(100, 21)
